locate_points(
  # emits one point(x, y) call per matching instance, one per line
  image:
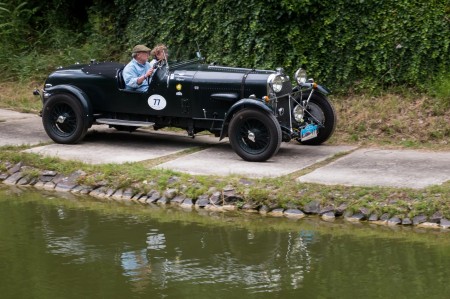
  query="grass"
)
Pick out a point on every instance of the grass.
point(401, 119)
point(283, 191)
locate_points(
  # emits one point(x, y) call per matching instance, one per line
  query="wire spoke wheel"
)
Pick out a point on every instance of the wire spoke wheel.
point(63, 120)
point(254, 135)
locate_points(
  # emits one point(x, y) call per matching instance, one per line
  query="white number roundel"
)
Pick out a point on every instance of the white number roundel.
point(157, 102)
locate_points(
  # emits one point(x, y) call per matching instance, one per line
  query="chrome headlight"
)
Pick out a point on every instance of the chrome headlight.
point(275, 82)
point(300, 76)
point(298, 113)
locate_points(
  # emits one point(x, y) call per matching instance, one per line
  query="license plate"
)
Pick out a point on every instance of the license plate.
point(308, 132)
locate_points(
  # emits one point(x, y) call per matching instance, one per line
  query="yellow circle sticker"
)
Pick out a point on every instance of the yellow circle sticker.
point(178, 87)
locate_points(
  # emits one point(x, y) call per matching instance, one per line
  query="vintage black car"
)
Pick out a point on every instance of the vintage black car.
point(255, 109)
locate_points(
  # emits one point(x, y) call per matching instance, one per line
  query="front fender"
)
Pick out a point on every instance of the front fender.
point(78, 93)
point(241, 104)
point(308, 86)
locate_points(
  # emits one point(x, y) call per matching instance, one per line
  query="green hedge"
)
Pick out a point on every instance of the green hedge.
point(342, 43)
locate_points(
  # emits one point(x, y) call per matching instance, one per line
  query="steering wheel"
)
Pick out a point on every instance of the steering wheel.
point(156, 67)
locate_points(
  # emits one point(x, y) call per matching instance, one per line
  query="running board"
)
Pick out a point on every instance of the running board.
point(122, 122)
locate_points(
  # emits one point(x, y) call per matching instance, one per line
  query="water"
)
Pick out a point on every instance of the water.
point(53, 247)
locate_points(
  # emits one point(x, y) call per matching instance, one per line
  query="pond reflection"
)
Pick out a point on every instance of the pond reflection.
point(78, 247)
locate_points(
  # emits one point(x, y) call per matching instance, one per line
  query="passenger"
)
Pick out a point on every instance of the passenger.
point(137, 71)
point(159, 53)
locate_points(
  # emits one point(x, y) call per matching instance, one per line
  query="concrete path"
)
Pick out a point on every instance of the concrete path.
point(104, 145)
point(377, 167)
point(362, 167)
point(21, 129)
point(221, 160)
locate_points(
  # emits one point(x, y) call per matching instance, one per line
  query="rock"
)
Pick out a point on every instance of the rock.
point(153, 196)
point(3, 176)
point(57, 179)
point(328, 216)
point(355, 217)
point(136, 197)
point(81, 189)
point(39, 185)
point(127, 194)
point(173, 179)
point(109, 192)
point(406, 221)
point(47, 176)
point(445, 223)
point(394, 221)
point(341, 209)
point(170, 193)
point(229, 195)
point(312, 207)
point(373, 217)
point(276, 212)
point(143, 199)
point(419, 219)
point(117, 195)
point(162, 201)
point(214, 208)
point(202, 201)
point(187, 203)
point(94, 192)
point(294, 213)
point(385, 217)
point(228, 207)
point(263, 210)
point(49, 186)
point(66, 184)
point(365, 211)
point(326, 209)
point(178, 200)
point(13, 178)
point(245, 182)
point(436, 217)
point(216, 198)
point(26, 180)
point(250, 207)
point(15, 168)
point(347, 214)
point(427, 224)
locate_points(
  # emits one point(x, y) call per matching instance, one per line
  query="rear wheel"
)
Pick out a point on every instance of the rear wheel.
point(63, 119)
point(254, 135)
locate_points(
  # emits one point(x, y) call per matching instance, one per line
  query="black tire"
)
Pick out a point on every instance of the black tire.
point(254, 135)
point(322, 110)
point(63, 118)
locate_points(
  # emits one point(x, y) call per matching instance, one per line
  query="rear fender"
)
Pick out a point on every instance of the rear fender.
point(239, 105)
point(78, 93)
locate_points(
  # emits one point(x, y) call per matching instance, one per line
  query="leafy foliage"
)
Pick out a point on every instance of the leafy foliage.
point(342, 43)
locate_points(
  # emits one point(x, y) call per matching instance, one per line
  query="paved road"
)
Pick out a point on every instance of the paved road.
point(359, 167)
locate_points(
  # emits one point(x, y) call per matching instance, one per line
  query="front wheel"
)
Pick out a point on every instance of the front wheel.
point(63, 119)
point(321, 112)
point(254, 135)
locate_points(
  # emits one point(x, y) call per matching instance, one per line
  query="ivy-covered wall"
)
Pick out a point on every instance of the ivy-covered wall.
point(340, 42)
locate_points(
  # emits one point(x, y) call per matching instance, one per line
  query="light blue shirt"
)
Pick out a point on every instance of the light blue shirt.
point(132, 71)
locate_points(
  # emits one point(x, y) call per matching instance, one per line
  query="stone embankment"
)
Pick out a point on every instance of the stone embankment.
point(226, 199)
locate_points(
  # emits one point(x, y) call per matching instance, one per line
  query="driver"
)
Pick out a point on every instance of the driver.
point(137, 71)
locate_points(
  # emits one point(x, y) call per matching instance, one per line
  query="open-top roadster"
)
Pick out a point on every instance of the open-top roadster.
point(255, 109)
